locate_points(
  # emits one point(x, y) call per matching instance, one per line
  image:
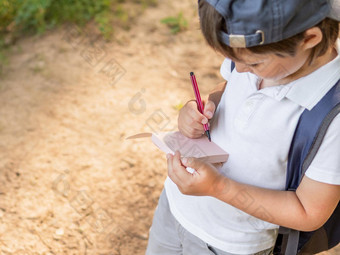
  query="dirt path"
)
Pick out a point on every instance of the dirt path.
point(69, 181)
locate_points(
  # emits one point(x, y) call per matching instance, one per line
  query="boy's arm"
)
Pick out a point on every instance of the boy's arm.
point(306, 209)
point(216, 94)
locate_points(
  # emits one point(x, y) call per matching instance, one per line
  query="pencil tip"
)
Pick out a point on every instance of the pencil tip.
point(191, 73)
point(208, 135)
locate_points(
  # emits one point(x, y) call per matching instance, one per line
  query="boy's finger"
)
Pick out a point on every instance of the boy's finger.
point(209, 109)
point(196, 127)
point(192, 133)
point(194, 112)
point(193, 128)
point(217, 165)
point(192, 163)
point(169, 160)
point(180, 170)
point(171, 172)
point(197, 116)
point(177, 164)
point(192, 104)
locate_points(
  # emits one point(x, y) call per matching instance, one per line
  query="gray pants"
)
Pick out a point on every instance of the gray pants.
point(168, 237)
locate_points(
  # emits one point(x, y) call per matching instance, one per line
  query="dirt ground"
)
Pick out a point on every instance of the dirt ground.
point(69, 181)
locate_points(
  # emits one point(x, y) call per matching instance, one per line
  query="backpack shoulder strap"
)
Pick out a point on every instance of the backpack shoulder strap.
point(309, 134)
point(232, 66)
point(308, 137)
point(319, 137)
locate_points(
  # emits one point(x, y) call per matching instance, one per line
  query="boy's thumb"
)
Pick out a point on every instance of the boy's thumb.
point(192, 163)
point(209, 109)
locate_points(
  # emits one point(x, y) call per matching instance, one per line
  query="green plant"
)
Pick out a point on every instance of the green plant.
point(147, 3)
point(176, 23)
point(19, 17)
point(38, 15)
point(3, 58)
point(32, 15)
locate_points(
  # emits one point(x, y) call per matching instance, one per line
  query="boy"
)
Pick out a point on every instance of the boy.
point(286, 60)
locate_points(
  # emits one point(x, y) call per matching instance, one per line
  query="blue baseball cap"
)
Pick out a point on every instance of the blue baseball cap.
point(258, 22)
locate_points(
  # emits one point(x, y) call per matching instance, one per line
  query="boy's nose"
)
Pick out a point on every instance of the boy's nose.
point(241, 68)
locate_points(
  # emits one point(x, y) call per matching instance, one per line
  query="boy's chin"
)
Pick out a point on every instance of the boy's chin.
point(273, 81)
point(275, 78)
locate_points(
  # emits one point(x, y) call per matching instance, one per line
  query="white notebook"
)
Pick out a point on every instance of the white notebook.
point(199, 148)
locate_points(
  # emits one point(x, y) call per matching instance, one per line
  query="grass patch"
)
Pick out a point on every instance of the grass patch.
point(176, 23)
point(29, 17)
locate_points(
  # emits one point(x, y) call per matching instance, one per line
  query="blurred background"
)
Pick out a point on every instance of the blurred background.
point(76, 78)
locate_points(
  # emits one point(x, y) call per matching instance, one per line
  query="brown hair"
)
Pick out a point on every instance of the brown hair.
point(212, 23)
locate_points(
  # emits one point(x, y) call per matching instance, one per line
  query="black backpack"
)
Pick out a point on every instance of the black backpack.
point(308, 136)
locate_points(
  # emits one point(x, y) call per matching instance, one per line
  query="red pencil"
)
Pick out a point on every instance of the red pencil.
point(199, 102)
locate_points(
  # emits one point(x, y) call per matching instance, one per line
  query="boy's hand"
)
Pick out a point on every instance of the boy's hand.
point(205, 181)
point(190, 120)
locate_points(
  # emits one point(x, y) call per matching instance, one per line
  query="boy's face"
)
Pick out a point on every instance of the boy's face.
point(272, 67)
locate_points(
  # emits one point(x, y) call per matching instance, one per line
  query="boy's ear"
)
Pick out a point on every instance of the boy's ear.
point(313, 37)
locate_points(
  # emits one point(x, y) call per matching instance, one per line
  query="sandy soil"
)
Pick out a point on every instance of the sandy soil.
point(69, 181)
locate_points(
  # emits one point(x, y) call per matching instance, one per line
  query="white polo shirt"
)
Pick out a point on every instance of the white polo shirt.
point(256, 128)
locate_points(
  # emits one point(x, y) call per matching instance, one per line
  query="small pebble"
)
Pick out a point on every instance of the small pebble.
point(59, 231)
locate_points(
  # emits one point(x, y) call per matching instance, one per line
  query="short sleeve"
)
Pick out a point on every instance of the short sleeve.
point(326, 165)
point(225, 69)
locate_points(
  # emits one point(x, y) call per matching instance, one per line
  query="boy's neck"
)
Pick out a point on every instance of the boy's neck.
point(303, 71)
